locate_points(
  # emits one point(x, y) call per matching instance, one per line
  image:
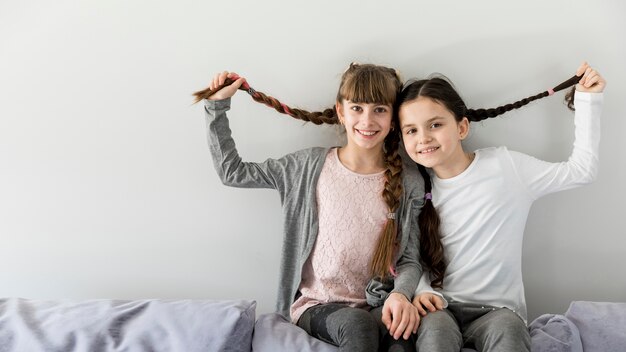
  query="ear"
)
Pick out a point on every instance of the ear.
point(339, 109)
point(464, 128)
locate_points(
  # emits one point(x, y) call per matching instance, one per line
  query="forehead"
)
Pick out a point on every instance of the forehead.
point(350, 102)
point(423, 109)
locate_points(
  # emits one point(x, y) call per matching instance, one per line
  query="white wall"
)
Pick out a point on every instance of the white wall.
point(106, 185)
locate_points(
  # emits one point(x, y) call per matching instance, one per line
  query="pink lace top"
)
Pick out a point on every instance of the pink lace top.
point(352, 214)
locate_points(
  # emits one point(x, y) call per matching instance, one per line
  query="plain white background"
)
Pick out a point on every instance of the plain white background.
point(106, 185)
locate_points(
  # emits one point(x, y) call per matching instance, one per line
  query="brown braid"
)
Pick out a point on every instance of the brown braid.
point(328, 116)
point(387, 243)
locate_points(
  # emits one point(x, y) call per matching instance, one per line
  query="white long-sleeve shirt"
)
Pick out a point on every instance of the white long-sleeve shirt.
point(484, 210)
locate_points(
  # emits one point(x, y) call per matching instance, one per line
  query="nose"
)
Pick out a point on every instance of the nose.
point(368, 116)
point(423, 136)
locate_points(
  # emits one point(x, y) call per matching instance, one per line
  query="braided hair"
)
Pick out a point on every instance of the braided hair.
point(360, 83)
point(442, 91)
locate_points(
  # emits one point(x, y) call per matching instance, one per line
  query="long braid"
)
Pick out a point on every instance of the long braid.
point(475, 115)
point(431, 248)
point(328, 116)
point(382, 260)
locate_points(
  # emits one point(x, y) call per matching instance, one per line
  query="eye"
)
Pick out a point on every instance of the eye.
point(356, 108)
point(436, 125)
point(380, 110)
point(410, 131)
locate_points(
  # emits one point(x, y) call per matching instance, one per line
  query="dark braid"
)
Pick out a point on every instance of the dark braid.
point(480, 114)
point(360, 84)
point(431, 248)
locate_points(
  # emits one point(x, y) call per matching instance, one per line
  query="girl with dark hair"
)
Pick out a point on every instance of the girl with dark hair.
point(471, 292)
point(348, 213)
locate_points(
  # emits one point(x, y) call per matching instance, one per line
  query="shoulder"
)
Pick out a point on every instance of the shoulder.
point(309, 156)
point(491, 151)
point(311, 153)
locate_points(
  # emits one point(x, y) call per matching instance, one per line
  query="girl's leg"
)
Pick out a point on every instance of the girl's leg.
point(439, 331)
point(387, 342)
point(498, 330)
point(350, 329)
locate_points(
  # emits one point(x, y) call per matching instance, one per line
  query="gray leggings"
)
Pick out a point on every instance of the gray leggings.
point(352, 329)
point(485, 328)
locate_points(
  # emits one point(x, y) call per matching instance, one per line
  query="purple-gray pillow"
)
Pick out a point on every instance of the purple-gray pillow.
point(602, 325)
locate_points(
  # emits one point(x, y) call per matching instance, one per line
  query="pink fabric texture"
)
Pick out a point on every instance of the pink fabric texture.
point(352, 214)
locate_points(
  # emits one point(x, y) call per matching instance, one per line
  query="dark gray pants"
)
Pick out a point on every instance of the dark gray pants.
point(484, 328)
point(352, 329)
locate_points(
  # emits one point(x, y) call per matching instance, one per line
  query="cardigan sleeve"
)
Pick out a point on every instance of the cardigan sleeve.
point(232, 170)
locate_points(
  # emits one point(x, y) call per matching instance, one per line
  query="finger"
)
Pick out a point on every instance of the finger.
point(592, 80)
point(420, 309)
point(395, 322)
point(403, 321)
point(438, 303)
point(238, 82)
point(428, 305)
point(581, 69)
point(410, 327)
point(417, 324)
point(222, 77)
point(216, 81)
point(585, 75)
point(386, 318)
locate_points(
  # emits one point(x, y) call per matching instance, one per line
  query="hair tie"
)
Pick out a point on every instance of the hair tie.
point(428, 196)
point(550, 91)
point(392, 270)
point(391, 216)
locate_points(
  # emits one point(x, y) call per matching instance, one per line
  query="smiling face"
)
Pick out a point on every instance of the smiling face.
point(432, 136)
point(366, 124)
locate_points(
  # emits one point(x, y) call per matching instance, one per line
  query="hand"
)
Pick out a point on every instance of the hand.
point(427, 302)
point(399, 316)
point(591, 81)
point(227, 91)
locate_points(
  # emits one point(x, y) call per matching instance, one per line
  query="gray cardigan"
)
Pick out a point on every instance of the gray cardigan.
point(295, 177)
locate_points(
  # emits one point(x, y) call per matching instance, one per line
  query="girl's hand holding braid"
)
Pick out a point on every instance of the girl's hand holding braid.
point(227, 91)
point(591, 81)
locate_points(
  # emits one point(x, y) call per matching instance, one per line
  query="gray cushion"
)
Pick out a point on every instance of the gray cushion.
point(273, 333)
point(116, 325)
point(554, 333)
point(602, 325)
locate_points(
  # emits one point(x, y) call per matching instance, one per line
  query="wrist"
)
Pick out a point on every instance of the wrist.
point(399, 295)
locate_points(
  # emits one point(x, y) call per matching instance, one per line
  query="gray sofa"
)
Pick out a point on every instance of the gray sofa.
point(209, 325)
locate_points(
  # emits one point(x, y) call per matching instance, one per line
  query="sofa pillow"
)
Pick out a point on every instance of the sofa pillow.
point(601, 325)
point(554, 333)
point(122, 325)
point(274, 333)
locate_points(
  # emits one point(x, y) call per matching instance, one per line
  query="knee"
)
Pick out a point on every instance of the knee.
point(508, 327)
point(353, 322)
point(361, 322)
point(508, 322)
point(439, 325)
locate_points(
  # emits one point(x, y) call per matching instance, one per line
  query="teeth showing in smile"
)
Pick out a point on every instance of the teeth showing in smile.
point(366, 133)
point(429, 150)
